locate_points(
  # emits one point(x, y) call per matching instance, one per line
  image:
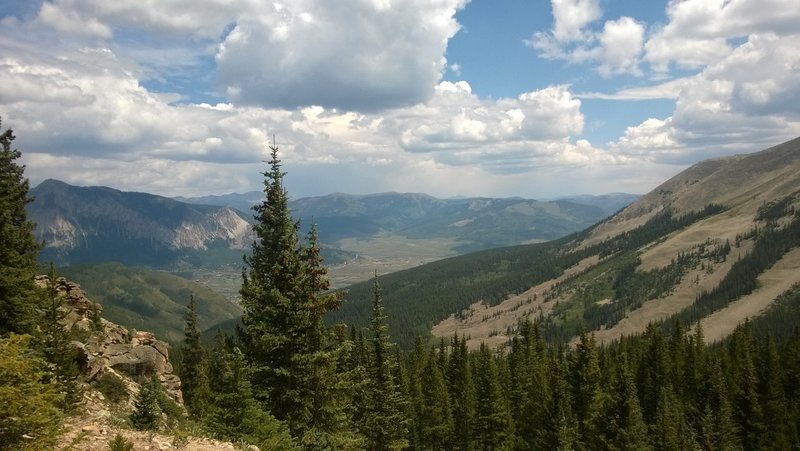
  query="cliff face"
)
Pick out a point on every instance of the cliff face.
point(112, 348)
point(93, 224)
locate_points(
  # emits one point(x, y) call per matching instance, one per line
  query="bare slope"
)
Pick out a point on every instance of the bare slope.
point(742, 182)
point(638, 282)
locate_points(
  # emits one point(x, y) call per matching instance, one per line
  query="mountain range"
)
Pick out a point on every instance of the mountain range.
point(715, 244)
point(96, 224)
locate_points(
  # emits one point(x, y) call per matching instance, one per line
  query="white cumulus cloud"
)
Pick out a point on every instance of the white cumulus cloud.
point(347, 54)
point(617, 48)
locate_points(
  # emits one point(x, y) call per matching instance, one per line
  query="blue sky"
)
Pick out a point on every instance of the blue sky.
point(449, 97)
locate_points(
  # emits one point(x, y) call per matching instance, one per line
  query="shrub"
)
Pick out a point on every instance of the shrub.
point(113, 388)
point(119, 443)
point(147, 415)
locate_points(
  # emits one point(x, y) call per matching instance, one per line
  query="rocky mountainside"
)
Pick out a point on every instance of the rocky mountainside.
point(113, 348)
point(93, 224)
point(715, 244)
point(110, 351)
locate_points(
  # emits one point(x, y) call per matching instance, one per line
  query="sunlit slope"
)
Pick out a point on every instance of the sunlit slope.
point(702, 240)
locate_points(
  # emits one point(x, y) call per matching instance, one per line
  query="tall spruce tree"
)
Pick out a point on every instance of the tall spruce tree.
point(559, 430)
point(625, 427)
point(587, 395)
point(194, 374)
point(283, 334)
point(494, 428)
point(462, 394)
point(53, 342)
point(386, 424)
point(18, 248)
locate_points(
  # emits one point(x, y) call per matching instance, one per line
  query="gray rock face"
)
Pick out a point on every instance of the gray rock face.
point(111, 347)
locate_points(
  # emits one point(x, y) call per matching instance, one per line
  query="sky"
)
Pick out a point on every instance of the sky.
point(494, 98)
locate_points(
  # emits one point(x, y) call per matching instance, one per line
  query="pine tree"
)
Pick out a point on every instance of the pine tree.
point(234, 414)
point(652, 377)
point(194, 377)
point(669, 430)
point(147, 413)
point(587, 395)
point(625, 426)
point(717, 429)
point(386, 425)
point(18, 248)
point(779, 431)
point(560, 428)
point(494, 428)
point(53, 342)
point(30, 417)
point(284, 337)
point(462, 395)
point(747, 408)
point(529, 386)
point(413, 389)
point(356, 367)
point(434, 413)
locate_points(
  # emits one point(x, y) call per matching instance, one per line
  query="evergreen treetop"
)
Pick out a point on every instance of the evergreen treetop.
point(18, 248)
point(292, 353)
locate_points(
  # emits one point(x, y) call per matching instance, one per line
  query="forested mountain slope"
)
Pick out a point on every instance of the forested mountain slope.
point(145, 299)
point(687, 249)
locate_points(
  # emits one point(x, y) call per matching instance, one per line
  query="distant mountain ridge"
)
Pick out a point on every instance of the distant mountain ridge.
point(479, 222)
point(359, 233)
point(92, 224)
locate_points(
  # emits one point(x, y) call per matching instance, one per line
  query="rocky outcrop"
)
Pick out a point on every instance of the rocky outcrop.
point(111, 347)
point(97, 224)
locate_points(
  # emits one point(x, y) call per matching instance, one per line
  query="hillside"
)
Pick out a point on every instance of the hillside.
point(151, 300)
point(719, 231)
point(95, 224)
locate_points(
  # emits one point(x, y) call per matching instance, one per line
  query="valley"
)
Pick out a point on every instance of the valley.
point(386, 253)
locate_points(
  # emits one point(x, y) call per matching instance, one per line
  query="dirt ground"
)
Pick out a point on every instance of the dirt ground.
point(95, 426)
